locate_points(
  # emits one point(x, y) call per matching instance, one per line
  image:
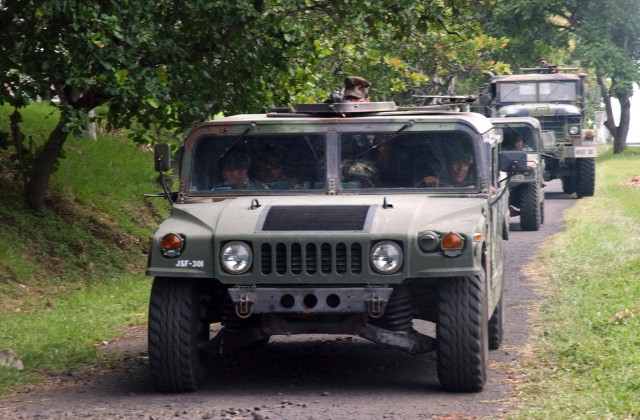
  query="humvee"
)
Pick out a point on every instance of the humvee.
point(365, 230)
point(556, 97)
point(526, 193)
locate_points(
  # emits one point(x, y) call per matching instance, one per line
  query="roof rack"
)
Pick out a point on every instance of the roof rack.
point(356, 109)
point(338, 109)
point(440, 100)
point(548, 69)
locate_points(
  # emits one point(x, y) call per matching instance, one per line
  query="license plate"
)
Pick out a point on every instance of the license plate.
point(584, 152)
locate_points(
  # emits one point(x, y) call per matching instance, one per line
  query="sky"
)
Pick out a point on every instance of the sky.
point(634, 128)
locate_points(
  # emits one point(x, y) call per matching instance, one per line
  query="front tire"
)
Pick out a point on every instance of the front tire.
point(462, 333)
point(586, 177)
point(496, 329)
point(530, 218)
point(177, 329)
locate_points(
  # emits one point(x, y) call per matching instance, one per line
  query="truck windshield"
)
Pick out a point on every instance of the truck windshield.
point(553, 91)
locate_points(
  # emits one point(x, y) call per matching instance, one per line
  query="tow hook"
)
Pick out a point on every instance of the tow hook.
point(244, 306)
point(375, 305)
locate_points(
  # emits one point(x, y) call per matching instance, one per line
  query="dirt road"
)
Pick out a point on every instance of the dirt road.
point(315, 377)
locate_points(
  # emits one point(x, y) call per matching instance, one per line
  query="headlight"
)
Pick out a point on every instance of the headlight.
point(386, 257)
point(171, 245)
point(573, 130)
point(429, 241)
point(236, 257)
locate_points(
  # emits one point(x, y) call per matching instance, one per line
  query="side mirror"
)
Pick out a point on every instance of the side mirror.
point(162, 157)
point(513, 161)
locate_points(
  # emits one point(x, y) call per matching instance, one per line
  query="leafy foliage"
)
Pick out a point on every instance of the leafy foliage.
point(601, 37)
point(165, 65)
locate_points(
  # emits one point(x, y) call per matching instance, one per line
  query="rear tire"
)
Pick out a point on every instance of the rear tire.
point(586, 183)
point(177, 329)
point(530, 206)
point(462, 333)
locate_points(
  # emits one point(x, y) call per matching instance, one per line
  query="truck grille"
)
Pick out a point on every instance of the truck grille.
point(311, 258)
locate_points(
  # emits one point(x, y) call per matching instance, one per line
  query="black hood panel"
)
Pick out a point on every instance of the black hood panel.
point(314, 218)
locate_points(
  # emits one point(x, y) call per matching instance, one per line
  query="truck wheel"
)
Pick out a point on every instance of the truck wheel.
point(586, 177)
point(496, 330)
point(530, 207)
point(568, 184)
point(462, 333)
point(175, 334)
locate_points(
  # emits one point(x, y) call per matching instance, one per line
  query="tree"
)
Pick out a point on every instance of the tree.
point(609, 40)
point(602, 37)
point(175, 63)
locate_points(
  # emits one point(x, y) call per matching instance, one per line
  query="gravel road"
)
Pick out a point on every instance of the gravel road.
point(308, 377)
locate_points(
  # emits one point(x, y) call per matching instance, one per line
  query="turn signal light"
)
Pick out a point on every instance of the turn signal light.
point(171, 245)
point(452, 244)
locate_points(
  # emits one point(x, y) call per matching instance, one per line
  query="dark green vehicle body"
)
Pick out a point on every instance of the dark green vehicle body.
point(349, 243)
point(557, 100)
point(526, 190)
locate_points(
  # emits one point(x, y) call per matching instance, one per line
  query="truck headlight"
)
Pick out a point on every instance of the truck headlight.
point(573, 130)
point(386, 257)
point(236, 257)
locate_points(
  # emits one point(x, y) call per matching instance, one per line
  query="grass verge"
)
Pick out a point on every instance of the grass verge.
point(71, 275)
point(586, 356)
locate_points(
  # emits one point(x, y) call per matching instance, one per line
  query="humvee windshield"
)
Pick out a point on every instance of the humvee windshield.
point(537, 91)
point(361, 161)
point(518, 138)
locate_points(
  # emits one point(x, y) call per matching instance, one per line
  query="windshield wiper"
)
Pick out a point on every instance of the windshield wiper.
point(548, 97)
point(250, 128)
point(409, 123)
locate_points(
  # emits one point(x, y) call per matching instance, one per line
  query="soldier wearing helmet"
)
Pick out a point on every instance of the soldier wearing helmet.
point(356, 89)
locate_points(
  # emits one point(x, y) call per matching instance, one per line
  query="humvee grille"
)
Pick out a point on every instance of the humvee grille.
point(311, 258)
point(316, 218)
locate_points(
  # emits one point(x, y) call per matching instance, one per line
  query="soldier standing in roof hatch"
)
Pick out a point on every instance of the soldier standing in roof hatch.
point(356, 89)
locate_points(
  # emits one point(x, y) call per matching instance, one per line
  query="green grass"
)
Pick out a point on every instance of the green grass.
point(71, 275)
point(586, 359)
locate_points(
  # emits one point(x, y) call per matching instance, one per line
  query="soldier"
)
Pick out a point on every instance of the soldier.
point(514, 143)
point(356, 89)
point(270, 170)
point(542, 66)
point(458, 171)
point(235, 172)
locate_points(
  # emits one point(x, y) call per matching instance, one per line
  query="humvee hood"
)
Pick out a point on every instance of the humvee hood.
point(375, 214)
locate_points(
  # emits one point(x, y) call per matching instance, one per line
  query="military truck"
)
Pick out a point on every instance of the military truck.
point(366, 229)
point(556, 97)
point(526, 193)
